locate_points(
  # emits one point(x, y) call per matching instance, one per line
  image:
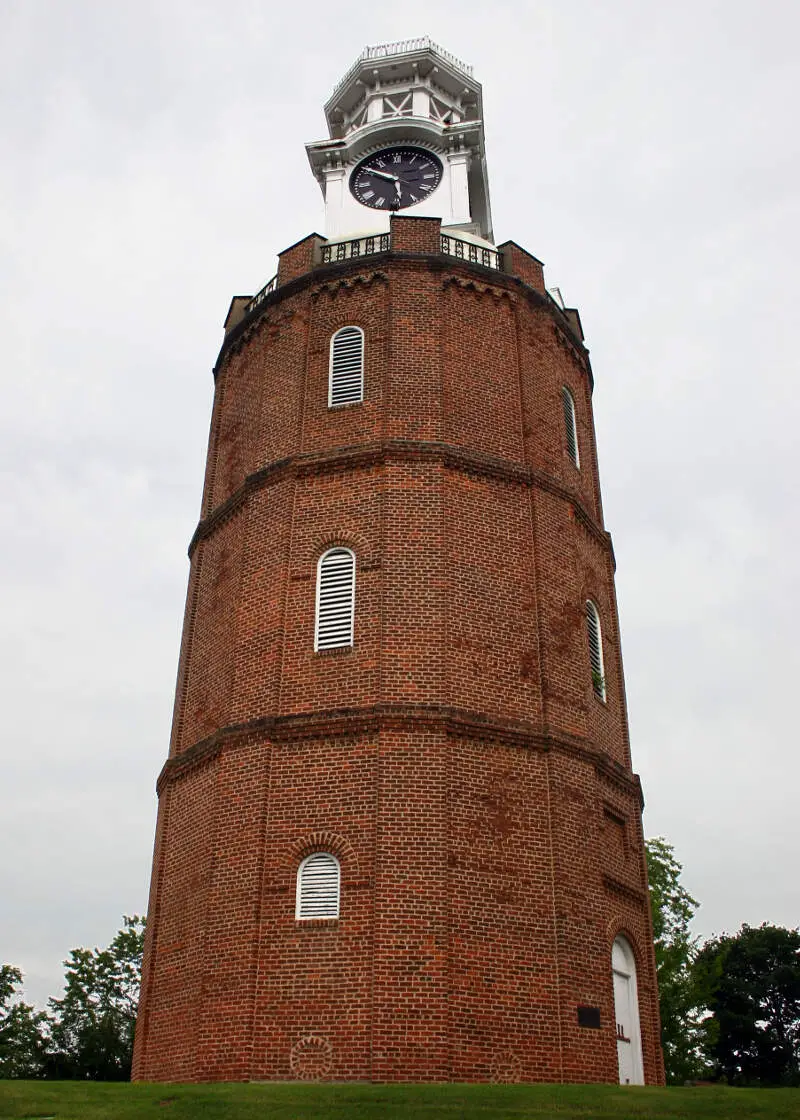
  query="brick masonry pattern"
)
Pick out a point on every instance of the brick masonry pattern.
point(478, 795)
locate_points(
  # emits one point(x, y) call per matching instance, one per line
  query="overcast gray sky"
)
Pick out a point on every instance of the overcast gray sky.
point(152, 165)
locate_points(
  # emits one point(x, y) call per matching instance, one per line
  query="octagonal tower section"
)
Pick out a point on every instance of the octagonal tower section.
point(465, 759)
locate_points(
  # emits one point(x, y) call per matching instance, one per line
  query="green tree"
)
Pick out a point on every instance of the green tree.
point(93, 1023)
point(672, 908)
point(22, 1030)
point(751, 985)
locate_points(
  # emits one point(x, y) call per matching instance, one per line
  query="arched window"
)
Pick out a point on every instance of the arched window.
point(336, 599)
point(318, 878)
point(595, 635)
point(626, 1014)
point(346, 379)
point(571, 426)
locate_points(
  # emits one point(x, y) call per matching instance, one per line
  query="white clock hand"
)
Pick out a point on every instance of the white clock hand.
point(383, 175)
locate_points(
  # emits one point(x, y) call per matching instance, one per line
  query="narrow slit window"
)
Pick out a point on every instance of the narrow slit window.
point(318, 879)
point(346, 378)
point(595, 636)
point(336, 596)
point(571, 426)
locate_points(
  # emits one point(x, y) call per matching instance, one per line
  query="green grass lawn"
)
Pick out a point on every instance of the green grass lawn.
point(69, 1100)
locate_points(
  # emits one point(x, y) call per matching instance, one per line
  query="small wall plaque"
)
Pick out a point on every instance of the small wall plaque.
point(589, 1017)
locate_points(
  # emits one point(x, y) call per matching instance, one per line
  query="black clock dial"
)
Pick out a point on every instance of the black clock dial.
point(396, 178)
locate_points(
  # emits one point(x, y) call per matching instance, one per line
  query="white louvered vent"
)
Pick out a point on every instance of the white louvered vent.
point(571, 425)
point(318, 887)
point(346, 380)
point(336, 594)
point(595, 649)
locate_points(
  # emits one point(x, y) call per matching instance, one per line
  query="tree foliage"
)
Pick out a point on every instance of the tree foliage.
point(750, 983)
point(92, 1025)
point(22, 1029)
point(672, 908)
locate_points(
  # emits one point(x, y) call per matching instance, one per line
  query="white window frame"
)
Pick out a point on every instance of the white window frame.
point(596, 659)
point(336, 605)
point(302, 904)
point(571, 426)
point(346, 368)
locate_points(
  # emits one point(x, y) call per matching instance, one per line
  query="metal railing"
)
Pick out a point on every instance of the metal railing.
point(403, 46)
point(469, 251)
point(352, 250)
point(259, 297)
point(355, 248)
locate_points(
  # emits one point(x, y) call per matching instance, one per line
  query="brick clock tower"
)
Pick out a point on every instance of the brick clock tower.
point(399, 836)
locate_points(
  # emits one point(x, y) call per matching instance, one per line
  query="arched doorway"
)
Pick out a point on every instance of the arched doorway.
point(626, 1014)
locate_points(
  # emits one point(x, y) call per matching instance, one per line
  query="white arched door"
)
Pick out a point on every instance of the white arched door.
point(626, 1014)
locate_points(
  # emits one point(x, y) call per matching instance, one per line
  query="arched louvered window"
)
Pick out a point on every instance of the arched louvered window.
point(336, 597)
point(570, 425)
point(346, 380)
point(595, 635)
point(318, 879)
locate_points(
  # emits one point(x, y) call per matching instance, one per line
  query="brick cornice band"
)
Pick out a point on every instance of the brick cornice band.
point(364, 456)
point(357, 722)
point(366, 269)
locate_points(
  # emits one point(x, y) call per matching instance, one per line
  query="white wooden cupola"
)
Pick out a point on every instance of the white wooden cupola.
point(411, 92)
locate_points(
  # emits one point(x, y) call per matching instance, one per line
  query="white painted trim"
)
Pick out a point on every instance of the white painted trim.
point(571, 425)
point(347, 370)
point(328, 911)
point(343, 622)
point(623, 966)
point(596, 660)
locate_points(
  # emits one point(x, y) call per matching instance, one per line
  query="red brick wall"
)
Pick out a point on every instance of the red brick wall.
point(478, 795)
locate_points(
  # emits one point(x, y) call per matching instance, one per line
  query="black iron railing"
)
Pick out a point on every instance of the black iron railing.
point(259, 297)
point(352, 250)
point(469, 251)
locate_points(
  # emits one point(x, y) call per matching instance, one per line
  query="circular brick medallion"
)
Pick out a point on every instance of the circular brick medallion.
point(506, 1069)
point(311, 1058)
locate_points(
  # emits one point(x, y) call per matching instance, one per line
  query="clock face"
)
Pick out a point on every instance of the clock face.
point(396, 177)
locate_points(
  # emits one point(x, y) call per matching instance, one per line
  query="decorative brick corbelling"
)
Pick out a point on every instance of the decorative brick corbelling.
point(569, 346)
point(612, 883)
point(442, 262)
point(333, 287)
point(470, 284)
point(271, 316)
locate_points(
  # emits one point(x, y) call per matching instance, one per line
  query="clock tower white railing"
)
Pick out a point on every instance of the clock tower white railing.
point(403, 46)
